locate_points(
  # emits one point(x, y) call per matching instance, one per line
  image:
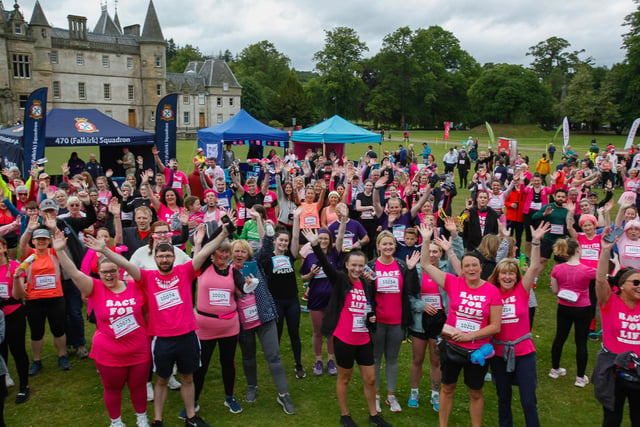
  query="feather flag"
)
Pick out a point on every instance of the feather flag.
point(492, 138)
point(447, 127)
point(632, 134)
point(565, 132)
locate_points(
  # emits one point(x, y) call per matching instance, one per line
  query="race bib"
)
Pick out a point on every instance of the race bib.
point(590, 254)
point(219, 297)
point(176, 183)
point(124, 325)
point(223, 203)
point(433, 300)
point(248, 311)
point(168, 298)
point(388, 285)
point(497, 175)
point(321, 275)
point(366, 215)
point(508, 311)
point(45, 281)
point(359, 324)
point(281, 262)
point(310, 221)
point(347, 243)
point(241, 212)
point(398, 232)
point(632, 251)
point(556, 229)
point(268, 199)
point(535, 206)
point(466, 325)
point(4, 290)
point(461, 162)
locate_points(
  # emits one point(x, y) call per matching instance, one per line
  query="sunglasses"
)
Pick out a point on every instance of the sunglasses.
point(635, 283)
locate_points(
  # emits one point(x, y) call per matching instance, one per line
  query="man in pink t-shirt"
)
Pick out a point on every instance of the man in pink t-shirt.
point(172, 321)
point(173, 177)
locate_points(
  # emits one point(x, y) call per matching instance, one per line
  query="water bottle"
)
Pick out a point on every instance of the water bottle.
point(523, 262)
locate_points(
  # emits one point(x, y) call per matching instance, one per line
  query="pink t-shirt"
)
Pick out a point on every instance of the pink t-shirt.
point(620, 325)
point(574, 281)
point(470, 309)
point(6, 286)
point(629, 251)
point(388, 293)
point(515, 321)
point(216, 295)
point(179, 178)
point(589, 249)
point(430, 292)
point(352, 324)
point(121, 334)
point(271, 198)
point(482, 217)
point(165, 213)
point(170, 300)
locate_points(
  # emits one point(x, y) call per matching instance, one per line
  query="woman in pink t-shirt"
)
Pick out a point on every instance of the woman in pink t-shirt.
point(570, 281)
point(475, 310)
point(515, 361)
point(350, 315)
point(620, 312)
point(121, 348)
point(167, 205)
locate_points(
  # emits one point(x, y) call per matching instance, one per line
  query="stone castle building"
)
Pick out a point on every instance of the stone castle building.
point(120, 71)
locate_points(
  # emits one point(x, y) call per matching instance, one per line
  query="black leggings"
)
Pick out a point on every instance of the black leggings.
point(463, 177)
point(289, 310)
point(39, 310)
point(623, 392)
point(16, 327)
point(227, 356)
point(516, 231)
point(567, 316)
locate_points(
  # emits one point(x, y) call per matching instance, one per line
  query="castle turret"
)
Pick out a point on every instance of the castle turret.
point(154, 68)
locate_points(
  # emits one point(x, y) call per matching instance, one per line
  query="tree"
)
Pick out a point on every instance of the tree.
point(265, 64)
point(171, 50)
point(510, 94)
point(292, 102)
point(182, 58)
point(227, 56)
point(628, 73)
point(340, 68)
point(253, 100)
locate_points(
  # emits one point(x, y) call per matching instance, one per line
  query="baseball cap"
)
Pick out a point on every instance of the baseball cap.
point(48, 204)
point(44, 175)
point(22, 189)
point(41, 232)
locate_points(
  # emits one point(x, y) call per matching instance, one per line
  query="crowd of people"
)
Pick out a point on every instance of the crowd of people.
point(173, 265)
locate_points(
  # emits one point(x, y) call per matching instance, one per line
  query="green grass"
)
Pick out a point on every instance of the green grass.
point(75, 397)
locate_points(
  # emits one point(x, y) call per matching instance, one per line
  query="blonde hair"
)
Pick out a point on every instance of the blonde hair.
point(565, 248)
point(385, 234)
point(488, 246)
point(242, 244)
point(506, 265)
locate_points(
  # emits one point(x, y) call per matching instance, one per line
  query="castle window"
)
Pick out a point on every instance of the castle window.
point(43, 33)
point(54, 56)
point(219, 102)
point(159, 90)
point(107, 91)
point(23, 101)
point(201, 98)
point(131, 93)
point(18, 28)
point(129, 63)
point(56, 89)
point(219, 118)
point(185, 99)
point(158, 61)
point(153, 116)
point(105, 61)
point(225, 86)
point(82, 90)
point(230, 102)
point(21, 66)
point(186, 118)
point(80, 59)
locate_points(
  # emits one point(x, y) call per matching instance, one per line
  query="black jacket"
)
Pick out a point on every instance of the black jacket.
point(71, 226)
point(472, 233)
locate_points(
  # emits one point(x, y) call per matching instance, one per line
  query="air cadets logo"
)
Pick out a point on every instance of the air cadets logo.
point(83, 125)
point(166, 113)
point(35, 112)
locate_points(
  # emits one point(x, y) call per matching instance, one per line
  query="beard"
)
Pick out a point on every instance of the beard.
point(165, 268)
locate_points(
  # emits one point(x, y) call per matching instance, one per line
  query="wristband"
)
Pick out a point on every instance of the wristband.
point(535, 243)
point(28, 230)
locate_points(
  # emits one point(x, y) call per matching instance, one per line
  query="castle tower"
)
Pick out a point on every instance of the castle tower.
point(154, 68)
point(40, 33)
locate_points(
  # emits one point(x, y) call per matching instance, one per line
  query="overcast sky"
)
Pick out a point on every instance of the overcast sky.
point(491, 30)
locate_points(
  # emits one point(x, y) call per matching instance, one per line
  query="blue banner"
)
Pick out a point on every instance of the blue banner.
point(35, 117)
point(166, 127)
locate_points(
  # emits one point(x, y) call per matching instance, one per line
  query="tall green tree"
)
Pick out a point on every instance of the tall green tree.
point(510, 94)
point(292, 102)
point(182, 57)
point(628, 73)
point(253, 99)
point(340, 68)
point(265, 64)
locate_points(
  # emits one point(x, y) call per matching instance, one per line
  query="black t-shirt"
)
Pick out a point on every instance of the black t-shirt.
point(366, 201)
point(249, 200)
point(281, 276)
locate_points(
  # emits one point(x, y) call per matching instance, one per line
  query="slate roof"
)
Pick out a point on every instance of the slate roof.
point(37, 17)
point(151, 31)
point(214, 71)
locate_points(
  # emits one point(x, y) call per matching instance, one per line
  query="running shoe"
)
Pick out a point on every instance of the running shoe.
point(304, 308)
point(252, 394)
point(317, 368)
point(142, 420)
point(378, 408)
point(9, 381)
point(195, 421)
point(377, 420)
point(23, 395)
point(595, 336)
point(556, 373)
point(82, 352)
point(581, 381)
point(393, 403)
point(300, 373)
point(157, 423)
point(63, 363)
point(287, 404)
point(305, 297)
point(150, 393)
point(414, 398)
point(331, 367)
point(173, 383)
point(35, 368)
point(117, 423)
point(183, 414)
point(435, 402)
point(347, 421)
point(488, 376)
point(233, 405)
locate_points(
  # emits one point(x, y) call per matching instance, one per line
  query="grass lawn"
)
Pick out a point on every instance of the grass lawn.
point(75, 397)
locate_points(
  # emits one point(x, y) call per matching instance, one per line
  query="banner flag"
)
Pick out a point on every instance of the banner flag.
point(166, 127)
point(565, 132)
point(35, 118)
point(492, 138)
point(447, 126)
point(632, 134)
